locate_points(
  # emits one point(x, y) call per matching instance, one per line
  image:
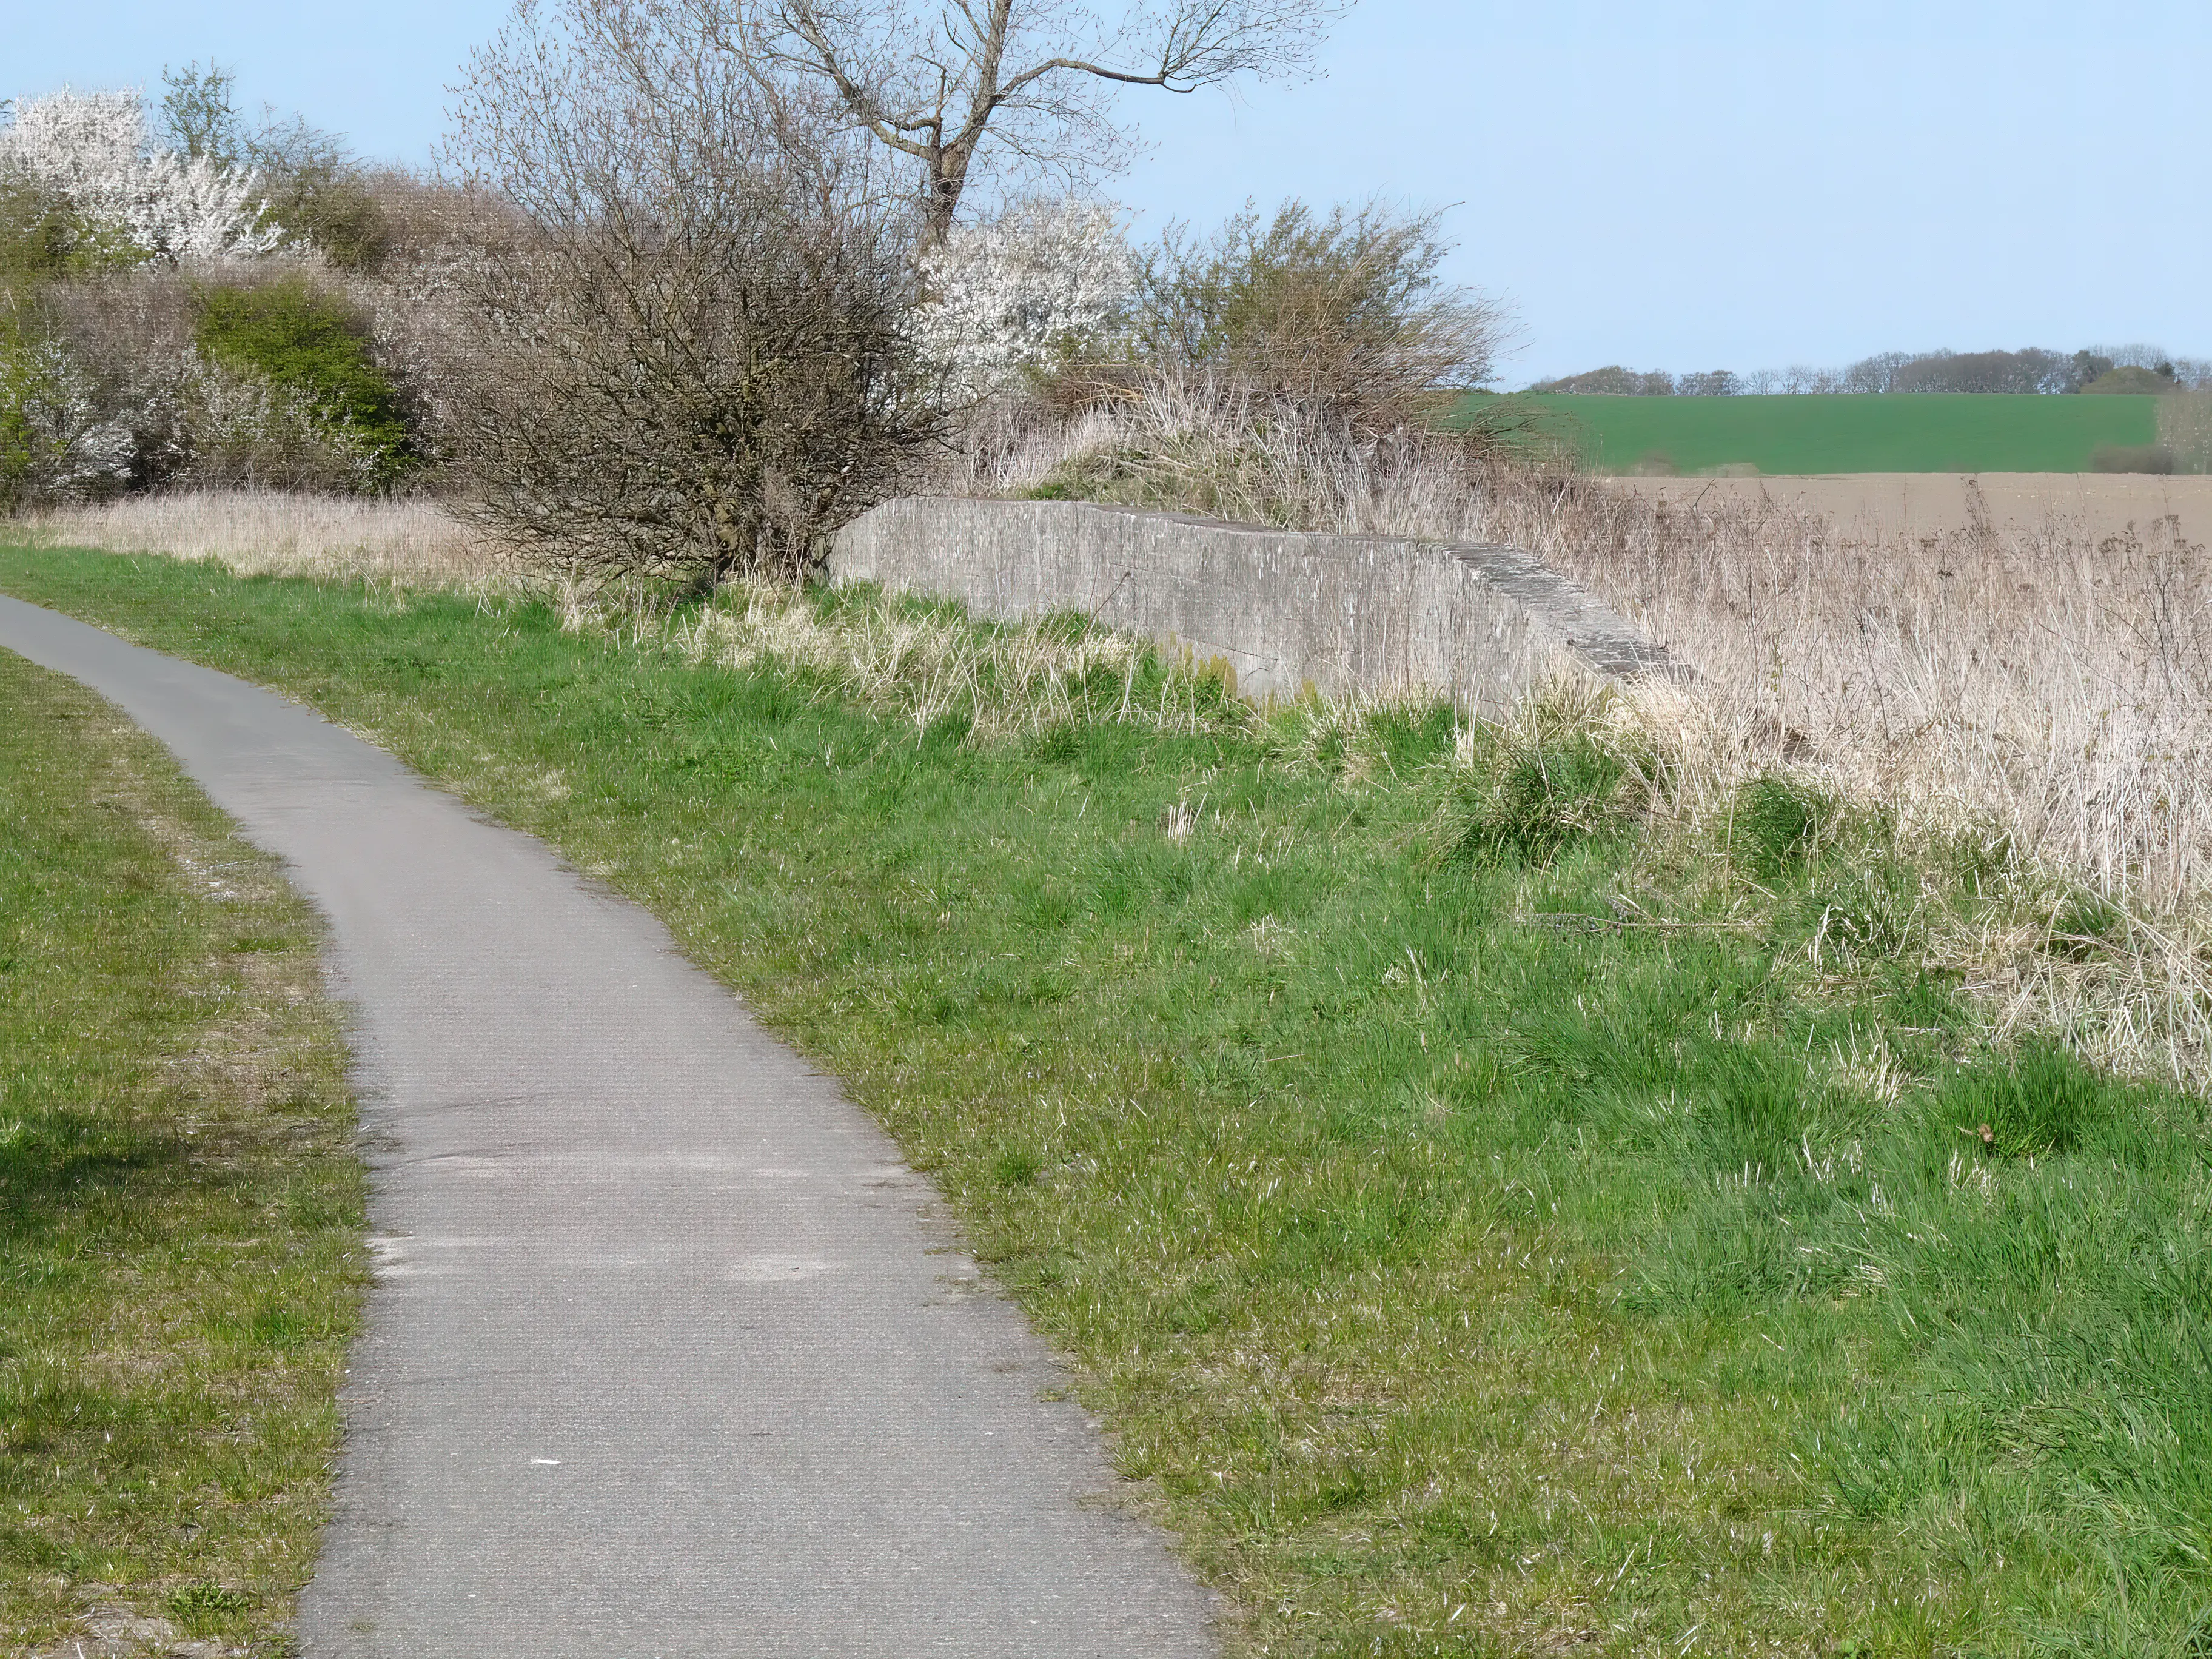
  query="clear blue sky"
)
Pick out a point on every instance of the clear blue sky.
point(1670, 183)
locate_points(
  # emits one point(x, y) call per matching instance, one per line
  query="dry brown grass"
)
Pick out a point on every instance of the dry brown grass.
point(2040, 691)
point(923, 666)
point(407, 541)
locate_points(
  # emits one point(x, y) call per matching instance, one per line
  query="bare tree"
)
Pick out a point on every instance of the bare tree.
point(687, 353)
point(941, 80)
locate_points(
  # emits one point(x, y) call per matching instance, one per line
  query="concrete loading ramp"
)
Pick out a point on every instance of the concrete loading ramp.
point(1283, 611)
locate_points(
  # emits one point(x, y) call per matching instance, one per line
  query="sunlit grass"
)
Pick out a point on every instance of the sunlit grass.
point(1492, 1210)
point(180, 1209)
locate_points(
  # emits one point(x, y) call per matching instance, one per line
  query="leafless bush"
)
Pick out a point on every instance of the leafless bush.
point(130, 336)
point(416, 214)
point(688, 354)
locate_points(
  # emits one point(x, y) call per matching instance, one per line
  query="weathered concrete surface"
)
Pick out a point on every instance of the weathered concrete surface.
point(1285, 611)
point(664, 1358)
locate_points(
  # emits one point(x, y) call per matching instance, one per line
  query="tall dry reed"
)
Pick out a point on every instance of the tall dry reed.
point(2042, 689)
point(408, 541)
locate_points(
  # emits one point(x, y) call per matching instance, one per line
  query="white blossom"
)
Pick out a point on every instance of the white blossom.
point(55, 440)
point(95, 151)
point(1042, 284)
point(244, 428)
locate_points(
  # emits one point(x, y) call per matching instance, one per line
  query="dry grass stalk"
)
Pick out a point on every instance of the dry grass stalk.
point(2043, 689)
point(924, 665)
point(411, 543)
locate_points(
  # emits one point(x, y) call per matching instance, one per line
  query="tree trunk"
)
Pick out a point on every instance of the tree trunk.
point(942, 188)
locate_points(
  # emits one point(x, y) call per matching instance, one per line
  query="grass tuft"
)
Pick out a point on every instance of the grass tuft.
point(205, 1609)
point(1782, 822)
point(1526, 801)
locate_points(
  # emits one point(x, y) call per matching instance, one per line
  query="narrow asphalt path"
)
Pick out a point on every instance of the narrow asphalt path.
point(665, 1358)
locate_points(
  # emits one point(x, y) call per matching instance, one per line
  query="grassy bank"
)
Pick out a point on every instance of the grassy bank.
point(1904, 432)
point(1494, 1213)
point(180, 1209)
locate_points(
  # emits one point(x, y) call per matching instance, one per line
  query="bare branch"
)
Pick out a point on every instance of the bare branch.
point(930, 78)
point(691, 352)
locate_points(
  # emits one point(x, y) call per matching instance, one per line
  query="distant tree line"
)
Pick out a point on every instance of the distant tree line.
point(2136, 368)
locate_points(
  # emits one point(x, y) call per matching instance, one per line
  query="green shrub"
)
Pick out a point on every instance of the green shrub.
point(44, 240)
point(19, 446)
point(1347, 310)
point(2131, 380)
point(320, 193)
point(35, 238)
point(308, 343)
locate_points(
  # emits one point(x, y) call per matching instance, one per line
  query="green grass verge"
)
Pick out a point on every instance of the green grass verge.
point(1492, 1221)
point(179, 1208)
point(1887, 433)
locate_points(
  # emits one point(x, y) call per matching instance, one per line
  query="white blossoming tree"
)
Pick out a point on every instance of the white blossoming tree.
point(1045, 283)
point(55, 440)
point(133, 201)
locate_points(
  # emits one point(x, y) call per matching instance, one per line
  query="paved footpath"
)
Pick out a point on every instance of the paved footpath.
point(664, 1359)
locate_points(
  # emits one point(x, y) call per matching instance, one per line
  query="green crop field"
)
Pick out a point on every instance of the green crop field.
point(1906, 432)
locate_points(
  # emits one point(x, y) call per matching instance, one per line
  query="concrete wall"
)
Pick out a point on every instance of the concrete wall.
point(1283, 611)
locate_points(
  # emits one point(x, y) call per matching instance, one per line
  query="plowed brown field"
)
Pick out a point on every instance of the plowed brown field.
point(1885, 504)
